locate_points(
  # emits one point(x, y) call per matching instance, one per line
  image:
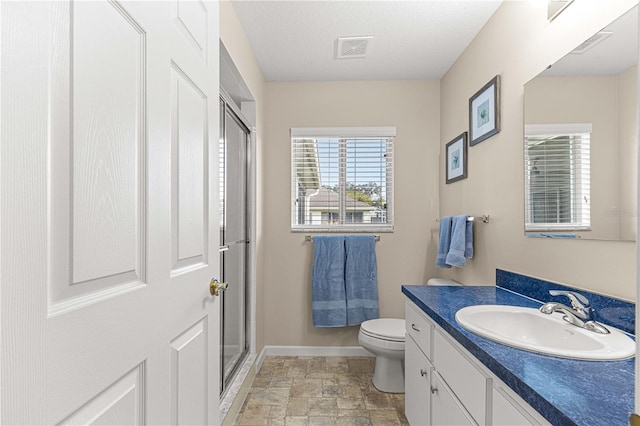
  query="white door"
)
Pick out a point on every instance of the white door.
point(108, 207)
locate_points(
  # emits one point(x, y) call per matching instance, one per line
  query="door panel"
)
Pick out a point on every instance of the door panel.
point(106, 142)
point(106, 191)
point(121, 403)
point(190, 144)
point(234, 337)
point(192, 18)
point(96, 143)
point(236, 181)
point(189, 362)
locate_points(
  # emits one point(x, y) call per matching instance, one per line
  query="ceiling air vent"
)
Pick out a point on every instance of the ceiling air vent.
point(591, 42)
point(353, 47)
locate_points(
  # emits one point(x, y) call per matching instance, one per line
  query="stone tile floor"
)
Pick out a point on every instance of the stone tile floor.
point(319, 391)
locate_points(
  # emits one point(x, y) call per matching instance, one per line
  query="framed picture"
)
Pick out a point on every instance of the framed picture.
point(484, 112)
point(456, 158)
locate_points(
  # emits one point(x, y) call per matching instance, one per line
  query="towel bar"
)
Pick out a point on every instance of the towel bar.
point(310, 238)
point(484, 218)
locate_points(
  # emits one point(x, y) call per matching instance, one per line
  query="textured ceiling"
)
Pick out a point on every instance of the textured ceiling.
point(296, 40)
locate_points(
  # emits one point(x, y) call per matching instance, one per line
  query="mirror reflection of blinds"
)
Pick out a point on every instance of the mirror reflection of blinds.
point(341, 182)
point(557, 181)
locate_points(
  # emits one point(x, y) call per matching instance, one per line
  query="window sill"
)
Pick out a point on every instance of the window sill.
point(343, 230)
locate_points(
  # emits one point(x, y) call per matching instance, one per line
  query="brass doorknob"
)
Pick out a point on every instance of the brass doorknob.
point(216, 287)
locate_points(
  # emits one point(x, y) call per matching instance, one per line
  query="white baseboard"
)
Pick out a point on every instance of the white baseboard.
point(260, 359)
point(315, 351)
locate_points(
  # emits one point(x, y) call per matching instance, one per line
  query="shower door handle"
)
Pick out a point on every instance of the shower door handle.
point(215, 287)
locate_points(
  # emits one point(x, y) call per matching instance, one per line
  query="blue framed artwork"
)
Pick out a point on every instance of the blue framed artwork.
point(456, 158)
point(484, 112)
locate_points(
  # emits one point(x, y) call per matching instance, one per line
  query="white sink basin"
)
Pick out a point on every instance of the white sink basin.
point(531, 330)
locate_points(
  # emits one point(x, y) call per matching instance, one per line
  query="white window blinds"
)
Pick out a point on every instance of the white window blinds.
point(342, 179)
point(557, 177)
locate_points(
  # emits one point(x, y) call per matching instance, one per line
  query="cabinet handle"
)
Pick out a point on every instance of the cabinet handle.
point(423, 372)
point(434, 389)
point(415, 328)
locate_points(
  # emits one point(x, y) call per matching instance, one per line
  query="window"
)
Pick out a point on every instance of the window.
point(557, 177)
point(342, 179)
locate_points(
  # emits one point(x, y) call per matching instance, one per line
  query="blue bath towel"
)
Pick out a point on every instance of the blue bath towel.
point(361, 279)
point(328, 295)
point(459, 250)
point(444, 242)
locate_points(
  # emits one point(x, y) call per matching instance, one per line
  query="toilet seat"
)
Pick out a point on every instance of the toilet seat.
point(389, 329)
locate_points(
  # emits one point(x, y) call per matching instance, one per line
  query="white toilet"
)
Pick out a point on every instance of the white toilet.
point(384, 338)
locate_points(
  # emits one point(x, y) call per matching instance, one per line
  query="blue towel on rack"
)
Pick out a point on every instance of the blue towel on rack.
point(328, 296)
point(444, 242)
point(461, 246)
point(361, 278)
point(468, 239)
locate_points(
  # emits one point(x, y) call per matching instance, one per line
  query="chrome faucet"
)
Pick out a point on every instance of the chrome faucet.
point(580, 314)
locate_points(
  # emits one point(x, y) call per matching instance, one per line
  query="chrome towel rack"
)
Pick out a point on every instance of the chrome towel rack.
point(484, 218)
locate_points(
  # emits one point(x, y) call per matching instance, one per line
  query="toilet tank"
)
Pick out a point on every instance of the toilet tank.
point(442, 281)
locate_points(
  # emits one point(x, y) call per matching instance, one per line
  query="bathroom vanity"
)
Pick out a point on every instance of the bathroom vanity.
point(445, 383)
point(453, 376)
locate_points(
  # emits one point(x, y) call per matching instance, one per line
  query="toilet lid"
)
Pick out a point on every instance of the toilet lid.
point(384, 328)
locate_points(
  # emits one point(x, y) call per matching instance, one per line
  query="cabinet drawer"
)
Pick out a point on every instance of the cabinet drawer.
point(419, 328)
point(464, 379)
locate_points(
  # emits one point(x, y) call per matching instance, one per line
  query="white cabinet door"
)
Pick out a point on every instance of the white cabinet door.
point(445, 408)
point(505, 413)
point(109, 122)
point(417, 371)
point(461, 375)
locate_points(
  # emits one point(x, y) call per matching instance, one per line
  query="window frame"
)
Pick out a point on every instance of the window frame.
point(388, 133)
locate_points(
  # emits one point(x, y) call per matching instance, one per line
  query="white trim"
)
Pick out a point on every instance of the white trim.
point(252, 206)
point(235, 395)
point(342, 132)
point(260, 359)
point(552, 129)
point(348, 351)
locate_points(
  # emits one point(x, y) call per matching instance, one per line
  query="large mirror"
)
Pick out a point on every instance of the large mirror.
point(555, 7)
point(581, 127)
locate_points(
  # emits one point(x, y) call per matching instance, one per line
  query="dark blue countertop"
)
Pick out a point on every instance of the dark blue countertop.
point(564, 391)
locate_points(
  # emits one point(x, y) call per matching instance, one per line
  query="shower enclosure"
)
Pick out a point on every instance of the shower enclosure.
point(234, 240)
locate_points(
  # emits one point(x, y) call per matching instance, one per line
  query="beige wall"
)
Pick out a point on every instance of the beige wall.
point(518, 43)
point(628, 153)
point(405, 256)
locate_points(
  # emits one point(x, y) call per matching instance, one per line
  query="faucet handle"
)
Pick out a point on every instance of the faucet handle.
point(578, 301)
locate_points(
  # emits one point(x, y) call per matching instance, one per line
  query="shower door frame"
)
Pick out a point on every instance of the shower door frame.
point(228, 106)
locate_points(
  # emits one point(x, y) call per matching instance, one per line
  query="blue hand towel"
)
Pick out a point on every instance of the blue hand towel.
point(361, 279)
point(328, 296)
point(444, 242)
point(458, 247)
point(468, 243)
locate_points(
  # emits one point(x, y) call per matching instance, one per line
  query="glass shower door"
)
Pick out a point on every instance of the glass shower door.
point(234, 239)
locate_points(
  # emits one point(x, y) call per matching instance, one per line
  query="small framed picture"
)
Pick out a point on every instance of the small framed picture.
point(456, 158)
point(484, 112)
